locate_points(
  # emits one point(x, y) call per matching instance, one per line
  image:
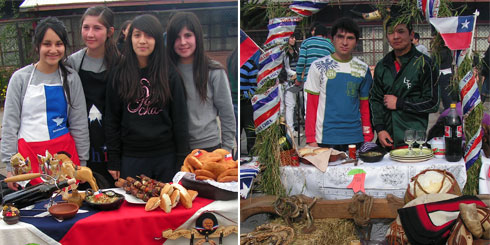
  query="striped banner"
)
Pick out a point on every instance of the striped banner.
point(308, 8)
point(471, 98)
point(266, 108)
point(459, 56)
point(279, 30)
point(469, 93)
point(429, 8)
point(473, 149)
point(270, 64)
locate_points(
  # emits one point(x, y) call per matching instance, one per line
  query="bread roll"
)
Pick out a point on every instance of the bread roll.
point(215, 167)
point(222, 152)
point(320, 150)
point(152, 204)
point(165, 203)
point(202, 177)
point(228, 178)
point(185, 169)
point(167, 189)
point(204, 172)
point(194, 162)
point(305, 152)
point(175, 198)
point(229, 172)
point(193, 194)
point(185, 198)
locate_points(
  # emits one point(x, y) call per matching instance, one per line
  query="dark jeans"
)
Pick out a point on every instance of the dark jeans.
point(344, 148)
point(247, 122)
point(161, 168)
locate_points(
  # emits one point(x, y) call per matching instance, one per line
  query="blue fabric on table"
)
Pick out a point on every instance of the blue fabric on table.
point(50, 226)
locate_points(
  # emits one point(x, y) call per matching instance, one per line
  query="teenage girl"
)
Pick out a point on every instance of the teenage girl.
point(92, 64)
point(146, 113)
point(206, 85)
point(45, 105)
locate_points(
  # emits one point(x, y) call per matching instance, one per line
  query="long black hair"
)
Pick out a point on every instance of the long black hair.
point(128, 73)
point(59, 28)
point(201, 64)
point(106, 18)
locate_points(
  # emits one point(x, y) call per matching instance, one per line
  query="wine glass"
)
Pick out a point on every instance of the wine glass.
point(420, 138)
point(409, 140)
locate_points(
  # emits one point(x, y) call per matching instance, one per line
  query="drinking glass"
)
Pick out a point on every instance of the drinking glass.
point(409, 140)
point(420, 138)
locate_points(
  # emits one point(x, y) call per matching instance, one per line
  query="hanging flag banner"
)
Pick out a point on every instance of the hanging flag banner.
point(308, 8)
point(270, 65)
point(248, 48)
point(266, 108)
point(459, 56)
point(469, 93)
point(279, 30)
point(429, 8)
point(456, 31)
point(473, 149)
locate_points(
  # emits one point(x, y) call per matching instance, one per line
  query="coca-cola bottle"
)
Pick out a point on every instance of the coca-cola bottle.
point(35, 193)
point(453, 135)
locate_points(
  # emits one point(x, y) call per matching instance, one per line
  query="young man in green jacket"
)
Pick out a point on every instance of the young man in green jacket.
point(405, 88)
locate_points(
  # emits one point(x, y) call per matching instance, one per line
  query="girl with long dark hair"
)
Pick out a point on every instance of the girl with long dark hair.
point(146, 113)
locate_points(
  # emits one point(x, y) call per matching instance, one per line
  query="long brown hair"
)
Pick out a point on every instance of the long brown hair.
point(201, 63)
point(128, 73)
point(106, 18)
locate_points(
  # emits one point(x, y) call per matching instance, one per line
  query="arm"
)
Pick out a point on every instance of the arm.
point(178, 112)
point(313, 92)
point(376, 100)
point(429, 101)
point(222, 101)
point(77, 118)
point(367, 129)
point(112, 124)
point(11, 122)
point(300, 66)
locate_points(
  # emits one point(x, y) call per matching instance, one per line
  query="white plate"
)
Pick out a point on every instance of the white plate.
point(129, 198)
point(411, 160)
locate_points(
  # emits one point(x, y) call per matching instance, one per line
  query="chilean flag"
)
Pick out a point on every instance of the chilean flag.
point(307, 8)
point(266, 108)
point(248, 48)
point(456, 31)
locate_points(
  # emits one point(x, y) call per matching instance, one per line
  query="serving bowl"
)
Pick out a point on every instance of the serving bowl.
point(372, 156)
point(97, 201)
point(65, 210)
point(208, 191)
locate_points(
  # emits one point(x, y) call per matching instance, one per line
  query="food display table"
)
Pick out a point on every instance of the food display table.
point(130, 224)
point(382, 178)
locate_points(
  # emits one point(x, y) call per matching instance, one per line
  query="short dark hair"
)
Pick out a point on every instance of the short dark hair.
point(346, 24)
point(416, 35)
point(321, 30)
point(394, 20)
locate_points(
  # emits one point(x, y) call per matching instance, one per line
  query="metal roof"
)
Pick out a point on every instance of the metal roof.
point(45, 5)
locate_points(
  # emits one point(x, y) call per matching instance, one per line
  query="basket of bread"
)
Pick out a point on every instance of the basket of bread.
point(213, 174)
point(321, 157)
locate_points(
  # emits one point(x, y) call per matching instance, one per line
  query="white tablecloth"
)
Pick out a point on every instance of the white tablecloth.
point(484, 184)
point(382, 178)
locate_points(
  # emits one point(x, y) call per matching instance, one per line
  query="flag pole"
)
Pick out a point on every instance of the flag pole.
point(476, 14)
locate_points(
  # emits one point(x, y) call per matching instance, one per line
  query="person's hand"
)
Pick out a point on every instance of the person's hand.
point(12, 185)
point(385, 139)
point(115, 174)
point(313, 144)
point(390, 101)
point(297, 83)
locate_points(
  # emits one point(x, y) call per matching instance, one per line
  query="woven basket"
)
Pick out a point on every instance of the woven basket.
point(447, 176)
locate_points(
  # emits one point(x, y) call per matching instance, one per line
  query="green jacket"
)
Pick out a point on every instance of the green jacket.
point(415, 87)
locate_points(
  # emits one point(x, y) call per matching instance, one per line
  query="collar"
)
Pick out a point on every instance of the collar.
point(404, 59)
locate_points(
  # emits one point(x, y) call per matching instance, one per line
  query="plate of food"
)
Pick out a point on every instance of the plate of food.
point(105, 200)
point(129, 198)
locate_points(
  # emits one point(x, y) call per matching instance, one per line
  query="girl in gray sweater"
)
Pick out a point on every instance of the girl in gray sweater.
point(206, 84)
point(45, 105)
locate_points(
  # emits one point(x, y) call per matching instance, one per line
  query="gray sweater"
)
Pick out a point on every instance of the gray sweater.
point(203, 123)
point(77, 113)
point(89, 64)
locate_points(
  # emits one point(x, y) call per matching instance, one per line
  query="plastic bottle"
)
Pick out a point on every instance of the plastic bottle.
point(35, 193)
point(453, 135)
